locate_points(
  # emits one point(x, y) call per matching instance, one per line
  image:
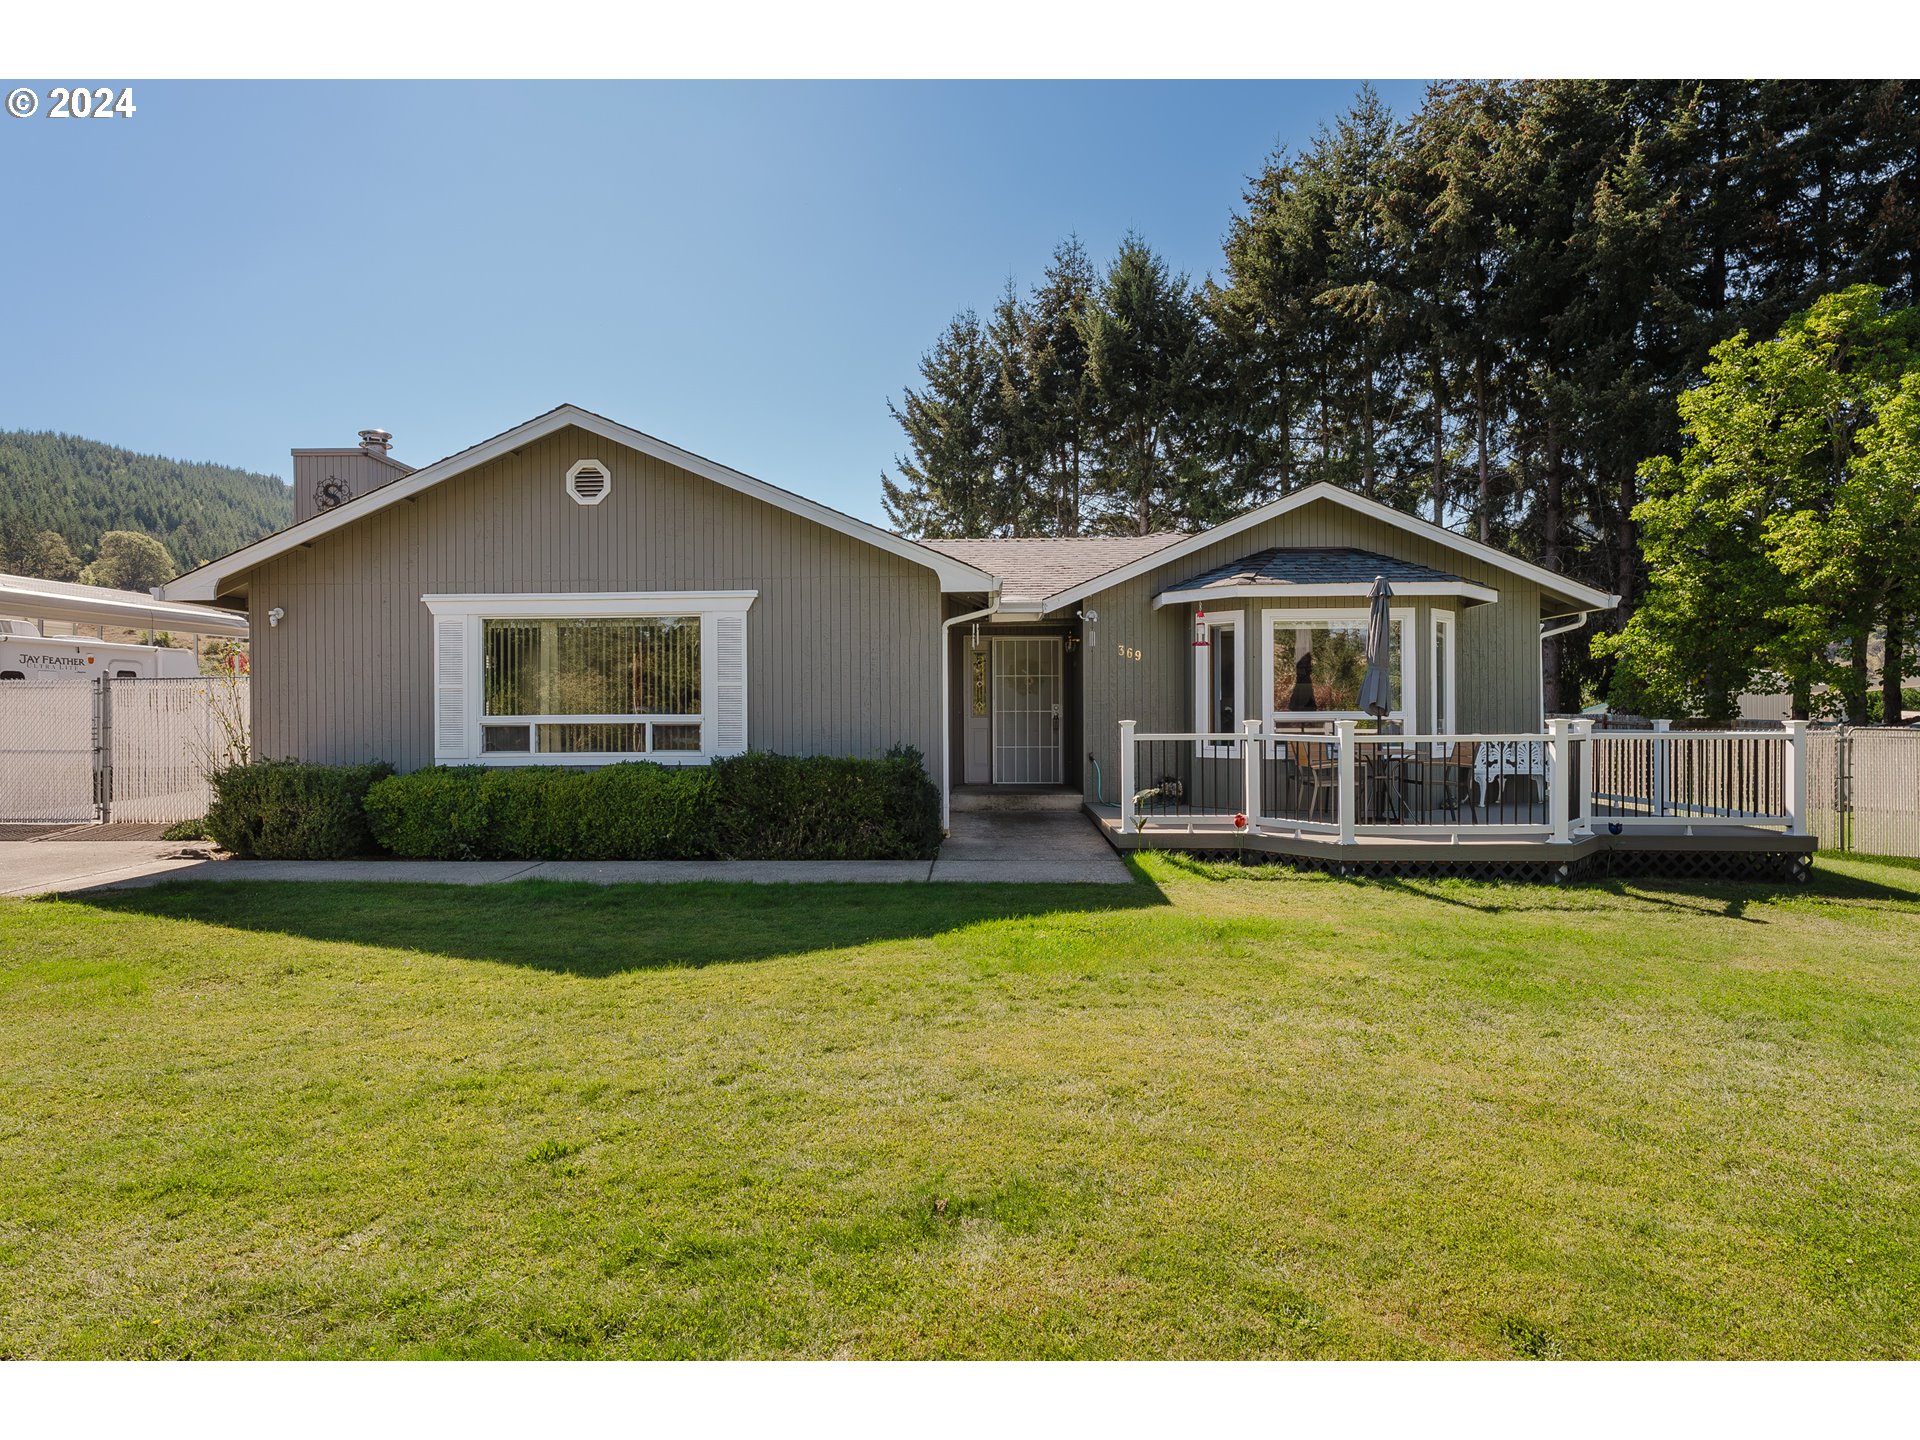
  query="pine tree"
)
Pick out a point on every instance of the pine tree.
point(949, 485)
point(1143, 335)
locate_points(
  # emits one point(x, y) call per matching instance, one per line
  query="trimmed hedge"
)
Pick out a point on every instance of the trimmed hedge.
point(287, 810)
point(755, 807)
point(630, 811)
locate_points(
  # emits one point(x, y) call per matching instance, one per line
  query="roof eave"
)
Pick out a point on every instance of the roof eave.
point(1330, 590)
point(1581, 595)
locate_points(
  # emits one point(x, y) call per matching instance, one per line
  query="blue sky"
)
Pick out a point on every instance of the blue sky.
point(747, 270)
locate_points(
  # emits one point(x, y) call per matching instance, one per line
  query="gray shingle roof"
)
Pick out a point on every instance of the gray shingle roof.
point(1036, 567)
point(1281, 568)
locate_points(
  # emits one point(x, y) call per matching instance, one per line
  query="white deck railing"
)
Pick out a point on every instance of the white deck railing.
point(1563, 783)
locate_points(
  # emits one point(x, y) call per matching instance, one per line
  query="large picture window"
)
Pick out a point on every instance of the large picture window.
point(626, 686)
point(1316, 662)
point(589, 679)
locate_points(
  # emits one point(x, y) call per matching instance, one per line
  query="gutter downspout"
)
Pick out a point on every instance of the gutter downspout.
point(946, 705)
point(1546, 635)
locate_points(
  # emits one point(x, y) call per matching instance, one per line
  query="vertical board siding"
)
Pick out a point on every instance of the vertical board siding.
point(842, 644)
point(1496, 647)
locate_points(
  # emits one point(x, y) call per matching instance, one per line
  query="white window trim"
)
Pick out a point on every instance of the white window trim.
point(1445, 623)
point(1405, 617)
point(707, 605)
point(1202, 699)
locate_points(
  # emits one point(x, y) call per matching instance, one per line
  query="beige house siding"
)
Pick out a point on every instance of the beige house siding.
point(357, 470)
point(1497, 649)
point(842, 643)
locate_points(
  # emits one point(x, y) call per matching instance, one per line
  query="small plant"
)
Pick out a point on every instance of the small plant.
point(186, 830)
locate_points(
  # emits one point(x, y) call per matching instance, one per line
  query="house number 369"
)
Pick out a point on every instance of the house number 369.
point(1129, 652)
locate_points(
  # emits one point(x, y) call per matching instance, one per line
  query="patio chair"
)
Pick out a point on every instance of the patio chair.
point(1444, 782)
point(1315, 770)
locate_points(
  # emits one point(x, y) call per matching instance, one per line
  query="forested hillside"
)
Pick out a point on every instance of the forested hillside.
point(81, 489)
point(1483, 313)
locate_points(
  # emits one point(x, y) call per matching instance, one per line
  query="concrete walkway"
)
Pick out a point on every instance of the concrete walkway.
point(1058, 846)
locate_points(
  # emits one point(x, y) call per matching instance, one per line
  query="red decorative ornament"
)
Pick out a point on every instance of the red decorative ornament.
point(1239, 822)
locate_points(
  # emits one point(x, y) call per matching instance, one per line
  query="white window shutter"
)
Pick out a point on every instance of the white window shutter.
point(730, 684)
point(450, 683)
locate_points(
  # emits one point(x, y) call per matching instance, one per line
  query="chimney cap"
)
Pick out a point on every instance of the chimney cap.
point(376, 442)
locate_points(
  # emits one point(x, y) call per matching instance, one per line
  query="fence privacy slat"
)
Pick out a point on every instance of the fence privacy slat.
point(132, 751)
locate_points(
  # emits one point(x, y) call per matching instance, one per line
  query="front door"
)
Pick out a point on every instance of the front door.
point(1026, 710)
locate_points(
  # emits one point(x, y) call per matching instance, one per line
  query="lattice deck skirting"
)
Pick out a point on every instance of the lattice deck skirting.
point(1752, 866)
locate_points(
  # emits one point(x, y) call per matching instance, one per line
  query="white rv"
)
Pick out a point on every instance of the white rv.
point(26, 654)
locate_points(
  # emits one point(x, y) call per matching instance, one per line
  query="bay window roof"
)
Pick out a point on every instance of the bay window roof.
point(1282, 572)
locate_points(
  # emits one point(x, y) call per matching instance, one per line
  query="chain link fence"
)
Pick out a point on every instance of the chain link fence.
point(136, 751)
point(1863, 789)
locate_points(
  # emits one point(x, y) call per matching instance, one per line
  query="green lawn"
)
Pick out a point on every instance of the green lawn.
point(1213, 1114)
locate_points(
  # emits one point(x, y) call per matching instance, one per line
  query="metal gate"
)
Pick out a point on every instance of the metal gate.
point(1863, 789)
point(1026, 711)
point(135, 751)
point(48, 746)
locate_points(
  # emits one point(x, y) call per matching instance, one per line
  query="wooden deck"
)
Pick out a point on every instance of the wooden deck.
point(1687, 849)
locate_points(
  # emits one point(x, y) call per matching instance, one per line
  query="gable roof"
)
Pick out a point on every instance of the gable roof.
point(1579, 597)
point(204, 583)
point(1032, 568)
point(1280, 570)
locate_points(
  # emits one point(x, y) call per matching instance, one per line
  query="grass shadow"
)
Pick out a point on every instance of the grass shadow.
point(1889, 882)
point(600, 930)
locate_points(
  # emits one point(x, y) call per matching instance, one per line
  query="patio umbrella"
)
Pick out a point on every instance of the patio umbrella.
point(1376, 691)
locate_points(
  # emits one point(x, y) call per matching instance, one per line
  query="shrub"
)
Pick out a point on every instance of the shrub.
point(186, 830)
point(287, 810)
point(630, 811)
point(779, 807)
point(756, 807)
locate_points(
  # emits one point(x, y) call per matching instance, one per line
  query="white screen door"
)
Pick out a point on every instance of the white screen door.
point(1026, 711)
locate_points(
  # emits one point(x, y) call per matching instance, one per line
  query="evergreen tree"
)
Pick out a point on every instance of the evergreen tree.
point(1143, 336)
point(950, 485)
point(1057, 392)
point(82, 489)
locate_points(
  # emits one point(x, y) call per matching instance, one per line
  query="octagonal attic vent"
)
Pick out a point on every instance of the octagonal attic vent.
point(587, 482)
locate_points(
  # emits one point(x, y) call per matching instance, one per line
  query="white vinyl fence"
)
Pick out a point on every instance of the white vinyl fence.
point(133, 751)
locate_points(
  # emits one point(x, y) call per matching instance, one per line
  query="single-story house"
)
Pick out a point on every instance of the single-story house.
point(575, 591)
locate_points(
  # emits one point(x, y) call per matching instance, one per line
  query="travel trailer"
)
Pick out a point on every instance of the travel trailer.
point(26, 654)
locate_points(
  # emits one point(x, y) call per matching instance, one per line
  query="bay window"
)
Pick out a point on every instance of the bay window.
point(1316, 659)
